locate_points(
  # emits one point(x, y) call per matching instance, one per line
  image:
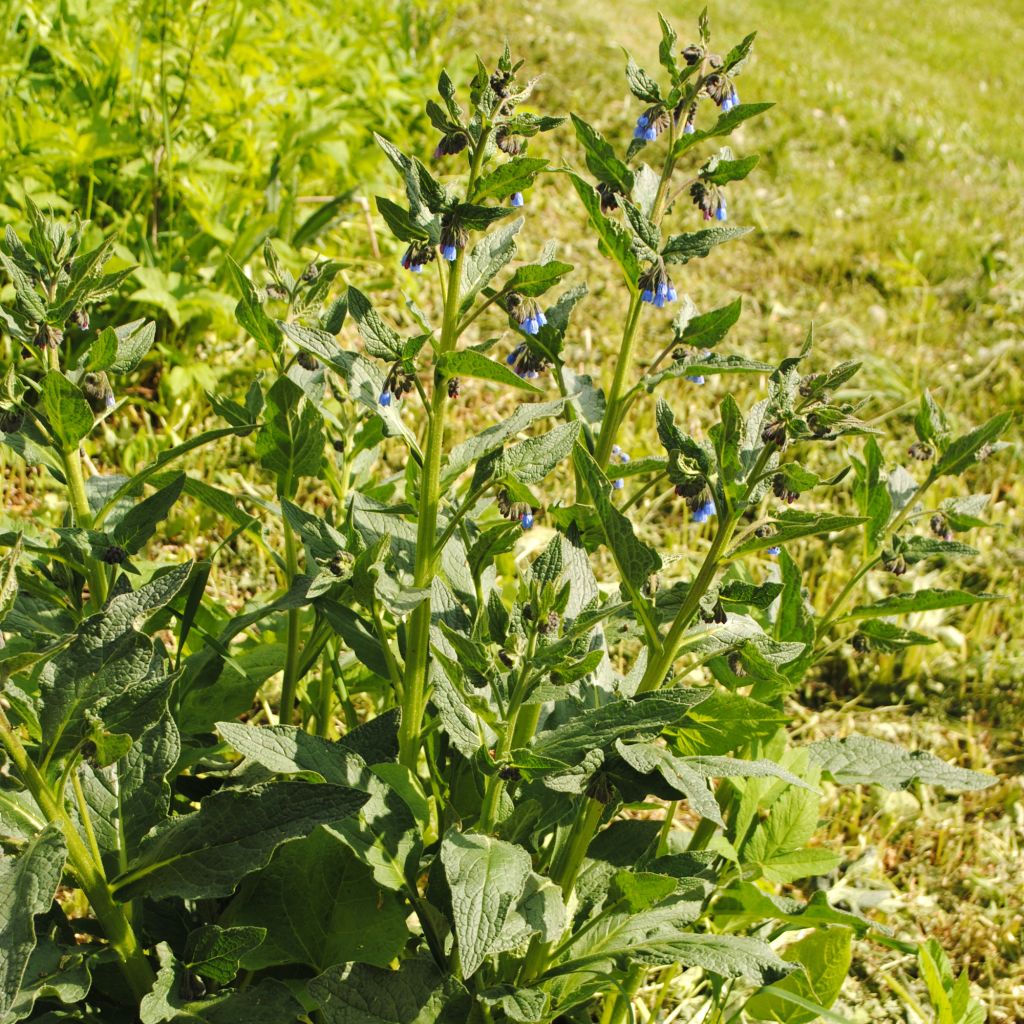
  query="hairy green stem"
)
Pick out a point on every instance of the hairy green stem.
point(291, 662)
point(95, 572)
point(87, 870)
point(623, 365)
point(414, 698)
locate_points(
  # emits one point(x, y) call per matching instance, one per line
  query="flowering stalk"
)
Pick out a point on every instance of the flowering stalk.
point(414, 697)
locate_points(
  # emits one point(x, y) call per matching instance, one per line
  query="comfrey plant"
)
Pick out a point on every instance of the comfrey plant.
point(492, 790)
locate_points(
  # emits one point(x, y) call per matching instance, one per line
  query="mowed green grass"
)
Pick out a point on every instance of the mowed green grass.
point(889, 213)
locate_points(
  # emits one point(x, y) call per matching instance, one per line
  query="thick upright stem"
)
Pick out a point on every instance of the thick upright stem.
point(414, 698)
point(88, 871)
point(623, 365)
point(291, 663)
point(96, 574)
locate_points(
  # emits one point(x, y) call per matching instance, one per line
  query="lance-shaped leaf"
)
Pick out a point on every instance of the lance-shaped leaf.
point(791, 524)
point(965, 451)
point(250, 313)
point(866, 760)
point(474, 448)
point(647, 758)
point(601, 159)
point(216, 953)
point(722, 170)
point(401, 222)
point(135, 528)
point(725, 125)
point(108, 673)
point(925, 600)
point(514, 176)
point(469, 363)
point(614, 239)
point(205, 853)
point(286, 750)
point(708, 329)
point(27, 886)
point(536, 278)
point(380, 339)
point(642, 717)
point(697, 244)
point(486, 878)
point(494, 251)
point(291, 441)
point(531, 460)
point(134, 340)
point(636, 561)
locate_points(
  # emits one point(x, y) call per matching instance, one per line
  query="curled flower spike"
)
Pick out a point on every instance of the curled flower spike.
point(650, 124)
point(516, 200)
point(527, 313)
point(657, 288)
point(453, 238)
point(451, 144)
point(397, 383)
point(618, 483)
point(416, 255)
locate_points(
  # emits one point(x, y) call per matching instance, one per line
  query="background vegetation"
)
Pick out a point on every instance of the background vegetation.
point(889, 211)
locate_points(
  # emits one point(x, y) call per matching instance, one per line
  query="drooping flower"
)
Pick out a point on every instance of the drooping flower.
point(416, 255)
point(609, 198)
point(527, 313)
point(453, 238)
point(618, 483)
point(720, 211)
point(526, 520)
point(516, 200)
point(450, 144)
point(399, 382)
point(651, 123)
point(656, 286)
point(705, 511)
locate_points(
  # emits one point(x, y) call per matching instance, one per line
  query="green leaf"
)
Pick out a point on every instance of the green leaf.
point(108, 672)
point(139, 524)
point(400, 221)
point(380, 340)
point(134, 340)
point(494, 251)
point(28, 883)
point(792, 524)
point(865, 760)
point(469, 363)
point(963, 452)
point(614, 239)
point(532, 460)
point(486, 877)
point(514, 176)
point(721, 172)
point(67, 411)
point(215, 953)
point(886, 637)
point(601, 159)
point(649, 757)
point(318, 905)
point(536, 278)
point(286, 750)
point(825, 956)
point(642, 717)
point(708, 329)
point(640, 83)
point(636, 561)
point(250, 312)
point(698, 244)
point(291, 441)
point(925, 600)
point(725, 125)
point(205, 853)
point(360, 994)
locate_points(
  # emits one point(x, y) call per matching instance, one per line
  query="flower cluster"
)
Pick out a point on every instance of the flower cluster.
point(722, 90)
point(453, 238)
point(527, 312)
point(515, 510)
point(417, 255)
point(398, 382)
point(450, 144)
point(782, 491)
point(656, 286)
point(525, 362)
point(709, 199)
point(651, 123)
